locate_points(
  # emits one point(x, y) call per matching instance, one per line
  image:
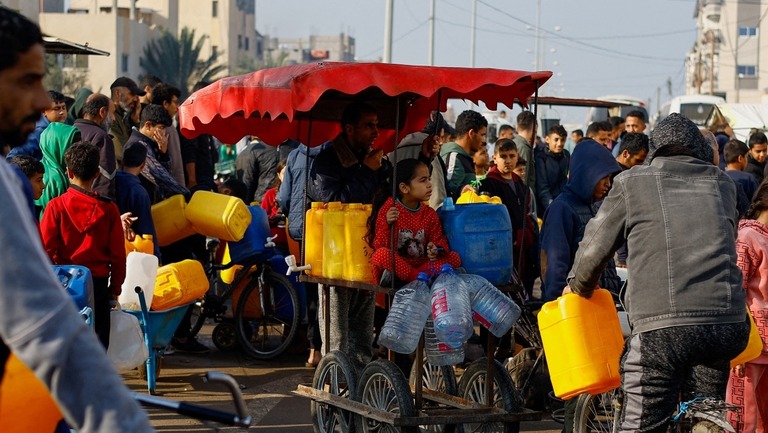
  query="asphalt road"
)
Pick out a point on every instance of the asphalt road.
point(266, 387)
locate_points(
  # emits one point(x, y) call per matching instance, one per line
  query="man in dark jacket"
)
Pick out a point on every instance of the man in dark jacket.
point(471, 128)
point(350, 170)
point(552, 164)
point(260, 168)
point(98, 114)
point(684, 294)
point(758, 148)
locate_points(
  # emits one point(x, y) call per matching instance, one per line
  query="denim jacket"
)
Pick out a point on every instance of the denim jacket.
point(678, 217)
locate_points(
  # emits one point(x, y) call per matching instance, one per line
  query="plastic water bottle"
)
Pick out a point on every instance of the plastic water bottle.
point(451, 308)
point(439, 353)
point(406, 318)
point(490, 307)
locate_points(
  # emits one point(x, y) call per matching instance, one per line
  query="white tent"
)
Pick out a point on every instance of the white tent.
point(742, 118)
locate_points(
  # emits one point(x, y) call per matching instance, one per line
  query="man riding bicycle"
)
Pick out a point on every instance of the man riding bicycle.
point(684, 296)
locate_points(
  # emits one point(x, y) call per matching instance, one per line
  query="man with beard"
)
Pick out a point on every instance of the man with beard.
point(98, 115)
point(125, 95)
point(38, 322)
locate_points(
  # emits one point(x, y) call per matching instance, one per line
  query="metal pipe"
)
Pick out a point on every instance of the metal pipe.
point(388, 31)
point(432, 33)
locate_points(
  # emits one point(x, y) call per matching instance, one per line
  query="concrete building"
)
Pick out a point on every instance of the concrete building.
point(123, 29)
point(316, 48)
point(30, 9)
point(725, 59)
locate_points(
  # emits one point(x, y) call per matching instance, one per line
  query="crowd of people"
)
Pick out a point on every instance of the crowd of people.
point(81, 178)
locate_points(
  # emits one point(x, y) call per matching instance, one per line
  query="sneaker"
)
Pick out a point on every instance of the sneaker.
point(386, 278)
point(190, 346)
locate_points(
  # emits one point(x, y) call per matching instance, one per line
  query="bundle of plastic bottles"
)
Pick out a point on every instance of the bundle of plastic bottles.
point(447, 310)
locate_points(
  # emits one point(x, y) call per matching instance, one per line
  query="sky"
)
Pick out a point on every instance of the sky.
point(593, 47)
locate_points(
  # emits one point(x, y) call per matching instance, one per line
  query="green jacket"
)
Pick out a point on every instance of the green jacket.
point(54, 141)
point(459, 168)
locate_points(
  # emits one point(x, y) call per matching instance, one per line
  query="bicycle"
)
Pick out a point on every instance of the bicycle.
point(264, 313)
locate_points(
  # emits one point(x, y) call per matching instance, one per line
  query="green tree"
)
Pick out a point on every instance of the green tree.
point(66, 81)
point(246, 64)
point(177, 60)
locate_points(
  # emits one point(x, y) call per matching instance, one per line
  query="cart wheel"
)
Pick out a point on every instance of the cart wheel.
point(435, 378)
point(224, 336)
point(268, 335)
point(472, 386)
point(383, 387)
point(335, 375)
point(599, 413)
point(143, 368)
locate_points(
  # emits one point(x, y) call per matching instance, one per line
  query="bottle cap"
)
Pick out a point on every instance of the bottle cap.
point(446, 268)
point(423, 277)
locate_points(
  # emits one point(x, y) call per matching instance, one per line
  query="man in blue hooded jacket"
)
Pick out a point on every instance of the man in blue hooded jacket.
point(591, 170)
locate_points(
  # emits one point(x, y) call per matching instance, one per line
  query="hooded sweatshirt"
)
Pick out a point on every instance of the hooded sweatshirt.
point(752, 252)
point(54, 141)
point(567, 216)
point(459, 168)
point(290, 196)
point(77, 106)
point(81, 228)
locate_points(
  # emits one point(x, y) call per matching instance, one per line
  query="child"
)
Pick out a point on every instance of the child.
point(269, 203)
point(748, 384)
point(551, 167)
point(417, 228)
point(33, 170)
point(82, 228)
point(131, 196)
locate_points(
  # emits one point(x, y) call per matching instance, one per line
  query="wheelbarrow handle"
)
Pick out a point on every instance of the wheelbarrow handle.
point(192, 410)
point(234, 389)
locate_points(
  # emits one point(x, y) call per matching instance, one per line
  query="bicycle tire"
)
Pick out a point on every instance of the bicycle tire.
point(198, 318)
point(268, 335)
point(599, 413)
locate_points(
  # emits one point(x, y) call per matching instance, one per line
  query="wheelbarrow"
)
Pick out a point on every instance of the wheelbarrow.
point(158, 328)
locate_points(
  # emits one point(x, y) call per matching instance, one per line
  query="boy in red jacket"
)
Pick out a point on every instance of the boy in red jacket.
point(82, 228)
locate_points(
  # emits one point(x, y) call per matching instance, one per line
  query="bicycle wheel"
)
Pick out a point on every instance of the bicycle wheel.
point(600, 413)
point(198, 317)
point(335, 375)
point(383, 386)
point(267, 332)
point(434, 378)
point(472, 387)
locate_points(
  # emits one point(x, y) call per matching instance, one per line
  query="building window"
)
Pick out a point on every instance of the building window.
point(239, 42)
point(746, 71)
point(747, 32)
point(124, 63)
point(247, 43)
point(215, 8)
point(76, 61)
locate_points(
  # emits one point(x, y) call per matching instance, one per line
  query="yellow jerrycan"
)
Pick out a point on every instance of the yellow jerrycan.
point(313, 239)
point(357, 252)
point(754, 345)
point(333, 241)
point(583, 342)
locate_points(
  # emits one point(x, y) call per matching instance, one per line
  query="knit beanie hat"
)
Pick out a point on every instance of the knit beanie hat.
point(677, 129)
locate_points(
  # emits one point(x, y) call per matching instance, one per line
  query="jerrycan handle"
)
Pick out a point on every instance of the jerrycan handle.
point(291, 262)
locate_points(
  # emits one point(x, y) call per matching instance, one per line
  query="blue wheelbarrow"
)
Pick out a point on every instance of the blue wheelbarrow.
point(158, 328)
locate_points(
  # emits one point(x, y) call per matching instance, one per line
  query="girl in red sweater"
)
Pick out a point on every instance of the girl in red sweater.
point(420, 242)
point(748, 384)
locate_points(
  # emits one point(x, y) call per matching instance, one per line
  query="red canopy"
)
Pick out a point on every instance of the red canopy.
point(279, 103)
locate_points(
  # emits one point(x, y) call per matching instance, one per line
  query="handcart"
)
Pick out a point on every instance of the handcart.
point(380, 398)
point(158, 328)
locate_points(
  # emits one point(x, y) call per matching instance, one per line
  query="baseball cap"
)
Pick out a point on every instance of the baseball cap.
point(129, 84)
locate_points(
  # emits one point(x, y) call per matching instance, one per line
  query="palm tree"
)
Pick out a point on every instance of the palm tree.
point(177, 60)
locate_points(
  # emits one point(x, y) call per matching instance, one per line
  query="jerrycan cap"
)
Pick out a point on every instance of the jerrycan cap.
point(448, 204)
point(354, 206)
point(317, 205)
point(335, 205)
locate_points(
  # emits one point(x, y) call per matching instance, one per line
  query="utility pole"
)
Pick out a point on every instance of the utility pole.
point(537, 44)
point(712, 62)
point(388, 31)
point(474, 31)
point(431, 32)
point(699, 79)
